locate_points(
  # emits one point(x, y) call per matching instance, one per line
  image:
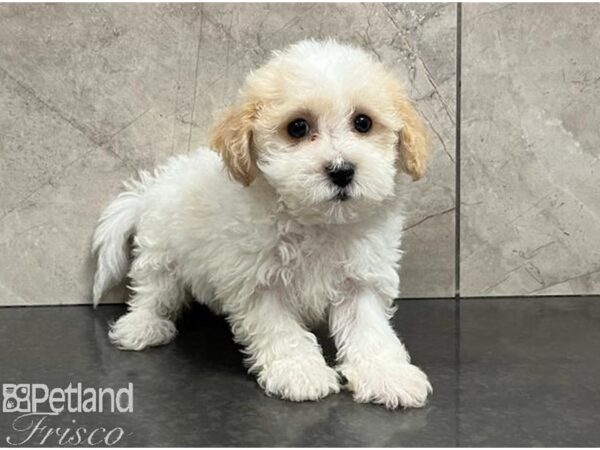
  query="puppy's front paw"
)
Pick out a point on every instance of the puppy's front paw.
point(299, 379)
point(388, 383)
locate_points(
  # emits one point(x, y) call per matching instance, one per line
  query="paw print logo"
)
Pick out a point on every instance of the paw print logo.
point(16, 398)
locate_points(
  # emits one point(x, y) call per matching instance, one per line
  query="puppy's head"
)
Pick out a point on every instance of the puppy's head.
point(328, 127)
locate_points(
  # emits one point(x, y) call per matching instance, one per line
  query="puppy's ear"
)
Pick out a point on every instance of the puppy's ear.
point(232, 138)
point(413, 142)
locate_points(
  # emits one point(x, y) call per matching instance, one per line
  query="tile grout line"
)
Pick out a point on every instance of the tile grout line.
point(457, 196)
point(470, 299)
point(529, 297)
point(457, 150)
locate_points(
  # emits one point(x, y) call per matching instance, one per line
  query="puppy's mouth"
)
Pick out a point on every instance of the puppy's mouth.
point(341, 196)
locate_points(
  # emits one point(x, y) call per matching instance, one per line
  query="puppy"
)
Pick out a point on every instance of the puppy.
point(290, 217)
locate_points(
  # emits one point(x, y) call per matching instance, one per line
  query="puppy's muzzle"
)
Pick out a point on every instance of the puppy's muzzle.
point(340, 174)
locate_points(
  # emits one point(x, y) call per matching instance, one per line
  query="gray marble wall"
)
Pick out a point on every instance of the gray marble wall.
point(530, 153)
point(91, 92)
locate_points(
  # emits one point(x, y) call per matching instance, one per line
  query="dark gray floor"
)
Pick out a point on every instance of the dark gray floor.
point(518, 372)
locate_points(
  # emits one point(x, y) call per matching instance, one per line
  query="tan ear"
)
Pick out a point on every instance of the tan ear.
point(232, 138)
point(413, 143)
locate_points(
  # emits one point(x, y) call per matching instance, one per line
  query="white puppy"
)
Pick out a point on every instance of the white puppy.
point(291, 217)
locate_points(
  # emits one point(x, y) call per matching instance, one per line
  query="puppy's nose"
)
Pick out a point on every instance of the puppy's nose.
point(340, 174)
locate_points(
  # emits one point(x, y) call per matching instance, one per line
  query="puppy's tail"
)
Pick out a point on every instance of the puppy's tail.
point(109, 244)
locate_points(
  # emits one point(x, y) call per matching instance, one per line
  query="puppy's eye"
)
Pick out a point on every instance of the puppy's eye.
point(362, 123)
point(298, 128)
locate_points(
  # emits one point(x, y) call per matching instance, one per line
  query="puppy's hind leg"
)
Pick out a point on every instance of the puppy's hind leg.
point(157, 299)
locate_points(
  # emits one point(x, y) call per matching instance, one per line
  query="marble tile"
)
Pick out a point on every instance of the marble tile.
point(196, 392)
point(27, 159)
point(512, 373)
point(416, 41)
point(45, 241)
point(96, 91)
point(93, 93)
point(530, 206)
point(102, 67)
point(527, 372)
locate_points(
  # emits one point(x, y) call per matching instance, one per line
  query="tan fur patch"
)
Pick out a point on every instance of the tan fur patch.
point(232, 138)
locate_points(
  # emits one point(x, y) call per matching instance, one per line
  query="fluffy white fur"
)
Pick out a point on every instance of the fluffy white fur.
point(252, 228)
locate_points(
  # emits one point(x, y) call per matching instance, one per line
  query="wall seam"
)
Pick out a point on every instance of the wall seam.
point(457, 194)
point(457, 204)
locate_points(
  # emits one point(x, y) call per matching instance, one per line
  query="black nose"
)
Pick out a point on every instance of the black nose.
point(341, 174)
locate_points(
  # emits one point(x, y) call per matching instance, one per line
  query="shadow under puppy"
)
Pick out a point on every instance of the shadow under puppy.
point(292, 216)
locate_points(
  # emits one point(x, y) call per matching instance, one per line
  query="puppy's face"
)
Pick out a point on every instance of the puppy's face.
point(328, 127)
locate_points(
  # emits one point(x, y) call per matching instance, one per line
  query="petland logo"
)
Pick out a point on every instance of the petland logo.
point(37, 403)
